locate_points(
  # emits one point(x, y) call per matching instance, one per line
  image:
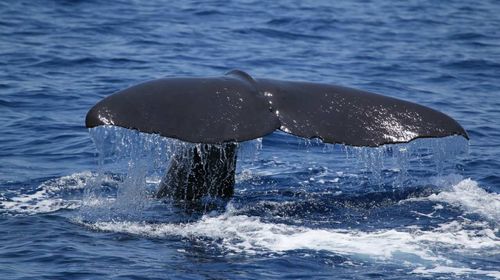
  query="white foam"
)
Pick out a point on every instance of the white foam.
point(470, 197)
point(428, 251)
point(240, 233)
point(46, 198)
point(459, 271)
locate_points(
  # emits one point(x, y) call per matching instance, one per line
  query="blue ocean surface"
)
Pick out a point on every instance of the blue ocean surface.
point(79, 204)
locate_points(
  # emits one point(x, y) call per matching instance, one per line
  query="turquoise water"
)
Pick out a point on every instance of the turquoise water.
point(302, 209)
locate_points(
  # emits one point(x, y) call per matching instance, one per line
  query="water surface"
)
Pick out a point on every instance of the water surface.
point(302, 209)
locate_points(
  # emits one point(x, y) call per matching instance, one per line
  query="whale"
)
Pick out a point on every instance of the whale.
point(219, 112)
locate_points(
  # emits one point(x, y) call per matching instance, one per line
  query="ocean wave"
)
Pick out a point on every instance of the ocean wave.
point(458, 271)
point(48, 196)
point(426, 250)
point(470, 197)
point(473, 64)
point(275, 33)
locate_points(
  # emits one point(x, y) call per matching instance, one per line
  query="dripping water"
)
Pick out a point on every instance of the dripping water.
point(131, 166)
point(138, 162)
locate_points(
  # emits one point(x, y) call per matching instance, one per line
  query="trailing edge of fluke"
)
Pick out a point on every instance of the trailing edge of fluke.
point(236, 107)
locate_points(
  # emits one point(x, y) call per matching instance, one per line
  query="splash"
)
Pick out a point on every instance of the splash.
point(468, 196)
point(458, 271)
point(131, 166)
point(120, 198)
point(245, 234)
point(424, 251)
point(50, 196)
point(400, 163)
point(141, 161)
point(369, 168)
point(136, 159)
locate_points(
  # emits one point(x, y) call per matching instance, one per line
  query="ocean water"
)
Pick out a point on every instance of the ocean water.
point(77, 204)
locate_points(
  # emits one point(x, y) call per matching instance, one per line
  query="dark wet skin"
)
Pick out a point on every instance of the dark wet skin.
point(200, 171)
point(236, 107)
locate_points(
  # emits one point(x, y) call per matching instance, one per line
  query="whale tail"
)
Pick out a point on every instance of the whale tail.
point(203, 170)
point(235, 107)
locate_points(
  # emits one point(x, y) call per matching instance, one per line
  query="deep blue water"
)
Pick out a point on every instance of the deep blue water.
point(302, 209)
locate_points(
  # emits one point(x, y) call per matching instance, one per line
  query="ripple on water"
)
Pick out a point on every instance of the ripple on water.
point(322, 210)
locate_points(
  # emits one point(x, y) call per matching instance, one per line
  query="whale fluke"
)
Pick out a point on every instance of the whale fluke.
point(235, 107)
point(199, 171)
point(198, 110)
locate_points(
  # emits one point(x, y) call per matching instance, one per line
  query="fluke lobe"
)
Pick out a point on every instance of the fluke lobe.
point(236, 107)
